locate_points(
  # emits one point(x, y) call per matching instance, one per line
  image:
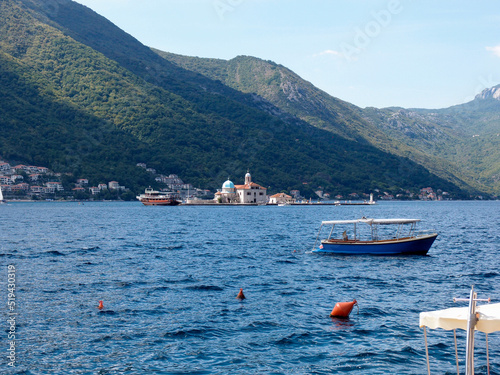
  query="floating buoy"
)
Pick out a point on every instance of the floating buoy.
point(101, 306)
point(240, 294)
point(343, 309)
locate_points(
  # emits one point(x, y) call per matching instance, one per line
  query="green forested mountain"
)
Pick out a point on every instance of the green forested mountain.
point(79, 95)
point(440, 140)
point(467, 135)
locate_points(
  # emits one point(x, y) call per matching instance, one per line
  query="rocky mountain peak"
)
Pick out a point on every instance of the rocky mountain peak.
point(491, 93)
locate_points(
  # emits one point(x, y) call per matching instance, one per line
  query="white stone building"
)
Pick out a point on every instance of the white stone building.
point(248, 193)
point(281, 198)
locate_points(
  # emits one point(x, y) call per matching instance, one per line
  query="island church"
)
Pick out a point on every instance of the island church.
point(250, 192)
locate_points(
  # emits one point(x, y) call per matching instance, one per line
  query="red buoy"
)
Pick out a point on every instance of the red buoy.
point(101, 306)
point(343, 309)
point(240, 294)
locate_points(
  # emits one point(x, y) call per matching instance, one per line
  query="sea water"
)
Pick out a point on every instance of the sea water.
point(168, 278)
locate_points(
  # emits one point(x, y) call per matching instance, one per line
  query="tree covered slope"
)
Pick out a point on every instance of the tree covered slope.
point(79, 95)
point(438, 140)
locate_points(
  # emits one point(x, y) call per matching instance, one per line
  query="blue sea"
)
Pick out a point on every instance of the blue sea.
point(169, 276)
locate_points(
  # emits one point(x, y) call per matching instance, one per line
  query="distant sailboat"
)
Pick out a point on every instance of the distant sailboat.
point(1, 195)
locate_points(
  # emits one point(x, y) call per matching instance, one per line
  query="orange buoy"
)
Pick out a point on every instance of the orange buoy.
point(240, 294)
point(101, 306)
point(343, 309)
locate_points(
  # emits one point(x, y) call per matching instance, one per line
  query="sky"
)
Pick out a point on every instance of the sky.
point(406, 53)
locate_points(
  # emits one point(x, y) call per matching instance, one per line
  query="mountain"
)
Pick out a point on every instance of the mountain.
point(491, 93)
point(79, 95)
point(440, 140)
point(467, 136)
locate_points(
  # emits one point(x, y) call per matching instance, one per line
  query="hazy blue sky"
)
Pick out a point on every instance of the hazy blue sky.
point(428, 54)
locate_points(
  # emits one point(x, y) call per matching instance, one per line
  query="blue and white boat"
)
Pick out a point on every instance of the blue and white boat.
point(374, 236)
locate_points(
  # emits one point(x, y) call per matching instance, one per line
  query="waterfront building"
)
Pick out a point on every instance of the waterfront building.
point(248, 193)
point(281, 198)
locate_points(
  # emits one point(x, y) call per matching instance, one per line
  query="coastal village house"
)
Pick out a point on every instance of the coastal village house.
point(281, 198)
point(54, 186)
point(248, 193)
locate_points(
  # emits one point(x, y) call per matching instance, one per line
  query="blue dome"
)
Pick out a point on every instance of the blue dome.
point(228, 185)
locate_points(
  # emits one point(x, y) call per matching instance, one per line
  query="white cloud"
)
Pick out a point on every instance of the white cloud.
point(495, 50)
point(344, 54)
point(330, 52)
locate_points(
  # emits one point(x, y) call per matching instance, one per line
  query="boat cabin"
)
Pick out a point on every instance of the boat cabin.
point(370, 229)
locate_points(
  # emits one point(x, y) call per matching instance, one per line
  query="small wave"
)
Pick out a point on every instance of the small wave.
point(161, 356)
point(293, 339)
point(261, 326)
point(13, 255)
point(178, 232)
point(160, 288)
point(205, 287)
point(365, 355)
point(285, 262)
point(288, 293)
point(54, 253)
point(117, 337)
point(60, 290)
point(86, 250)
point(488, 275)
point(107, 312)
point(186, 280)
point(409, 349)
point(156, 310)
point(363, 332)
point(124, 284)
point(373, 311)
point(439, 345)
point(184, 333)
point(174, 247)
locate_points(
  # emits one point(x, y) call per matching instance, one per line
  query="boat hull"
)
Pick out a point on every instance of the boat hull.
point(414, 245)
point(160, 202)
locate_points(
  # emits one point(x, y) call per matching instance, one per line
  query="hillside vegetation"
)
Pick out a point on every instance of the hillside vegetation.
point(439, 140)
point(467, 136)
point(79, 95)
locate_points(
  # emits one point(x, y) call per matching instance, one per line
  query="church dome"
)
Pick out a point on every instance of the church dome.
point(228, 185)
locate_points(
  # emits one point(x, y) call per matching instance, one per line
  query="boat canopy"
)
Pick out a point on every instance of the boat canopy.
point(456, 318)
point(371, 221)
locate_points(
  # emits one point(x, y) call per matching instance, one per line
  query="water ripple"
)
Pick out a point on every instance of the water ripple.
point(169, 279)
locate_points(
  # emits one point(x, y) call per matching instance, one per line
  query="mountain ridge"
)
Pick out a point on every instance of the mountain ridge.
point(403, 132)
point(489, 93)
point(120, 103)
